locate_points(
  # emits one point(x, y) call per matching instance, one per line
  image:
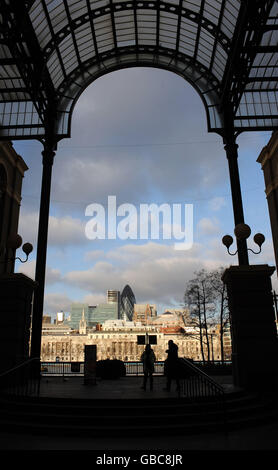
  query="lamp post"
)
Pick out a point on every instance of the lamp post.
point(253, 328)
point(242, 232)
point(16, 294)
point(14, 242)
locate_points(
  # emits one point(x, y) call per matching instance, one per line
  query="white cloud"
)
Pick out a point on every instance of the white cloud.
point(156, 272)
point(120, 145)
point(52, 275)
point(102, 276)
point(62, 231)
point(94, 299)
point(55, 302)
point(28, 226)
point(93, 255)
point(217, 203)
point(66, 231)
point(208, 226)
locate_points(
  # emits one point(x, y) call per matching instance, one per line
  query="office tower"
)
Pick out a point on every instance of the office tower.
point(60, 317)
point(113, 297)
point(103, 312)
point(127, 302)
point(76, 314)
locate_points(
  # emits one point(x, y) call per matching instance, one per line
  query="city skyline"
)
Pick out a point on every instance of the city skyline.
point(139, 134)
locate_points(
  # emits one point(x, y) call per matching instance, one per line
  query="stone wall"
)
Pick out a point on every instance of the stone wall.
point(119, 345)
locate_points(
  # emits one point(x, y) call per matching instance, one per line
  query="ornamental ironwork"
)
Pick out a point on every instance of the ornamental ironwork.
point(51, 50)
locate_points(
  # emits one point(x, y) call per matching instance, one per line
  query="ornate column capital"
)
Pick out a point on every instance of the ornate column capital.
point(230, 146)
point(49, 153)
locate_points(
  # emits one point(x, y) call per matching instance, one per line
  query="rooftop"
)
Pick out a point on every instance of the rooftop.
point(51, 50)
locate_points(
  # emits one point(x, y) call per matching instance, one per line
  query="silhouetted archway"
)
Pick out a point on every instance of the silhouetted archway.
point(51, 51)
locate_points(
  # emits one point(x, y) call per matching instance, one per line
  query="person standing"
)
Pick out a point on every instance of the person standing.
point(171, 365)
point(148, 358)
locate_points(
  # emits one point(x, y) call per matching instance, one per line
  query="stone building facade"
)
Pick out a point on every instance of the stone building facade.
point(268, 159)
point(121, 343)
point(12, 169)
point(16, 289)
point(144, 313)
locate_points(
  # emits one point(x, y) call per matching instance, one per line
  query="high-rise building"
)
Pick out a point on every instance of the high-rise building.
point(113, 296)
point(60, 317)
point(76, 314)
point(116, 307)
point(103, 312)
point(127, 303)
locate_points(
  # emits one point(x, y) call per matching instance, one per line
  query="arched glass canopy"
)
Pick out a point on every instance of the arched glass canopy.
point(51, 50)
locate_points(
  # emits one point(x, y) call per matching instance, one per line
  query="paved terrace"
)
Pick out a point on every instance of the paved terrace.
point(122, 388)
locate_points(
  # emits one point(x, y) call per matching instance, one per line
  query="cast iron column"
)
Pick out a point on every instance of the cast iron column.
point(232, 156)
point(48, 156)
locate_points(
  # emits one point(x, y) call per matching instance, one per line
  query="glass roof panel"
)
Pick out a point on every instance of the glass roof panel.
point(188, 31)
point(168, 29)
point(192, 5)
point(58, 17)
point(124, 25)
point(230, 16)
point(99, 3)
point(146, 25)
point(212, 10)
point(77, 8)
point(174, 2)
point(74, 38)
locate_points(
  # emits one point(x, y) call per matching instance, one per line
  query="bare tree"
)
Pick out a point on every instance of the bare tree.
point(206, 298)
point(193, 302)
point(199, 299)
point(222, 314)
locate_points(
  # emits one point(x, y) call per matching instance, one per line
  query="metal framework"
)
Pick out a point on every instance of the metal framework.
point(51, 50)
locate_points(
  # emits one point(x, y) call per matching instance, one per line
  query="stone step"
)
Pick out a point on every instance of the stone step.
point(174, 416)
point(96, 430)
point(186, 427)
point(122, 408)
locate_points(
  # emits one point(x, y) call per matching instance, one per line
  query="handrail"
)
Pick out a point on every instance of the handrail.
point(198, 384)
point(21, 380)
point(203, 374)
point(19, 366)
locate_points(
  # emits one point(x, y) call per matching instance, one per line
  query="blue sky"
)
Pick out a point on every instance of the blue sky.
point(141, 135)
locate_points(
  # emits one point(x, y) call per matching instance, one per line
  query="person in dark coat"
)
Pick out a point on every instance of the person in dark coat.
point(172, 365)
point(148, 359)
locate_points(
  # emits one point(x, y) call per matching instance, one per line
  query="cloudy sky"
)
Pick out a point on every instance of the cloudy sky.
point(140, 135)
